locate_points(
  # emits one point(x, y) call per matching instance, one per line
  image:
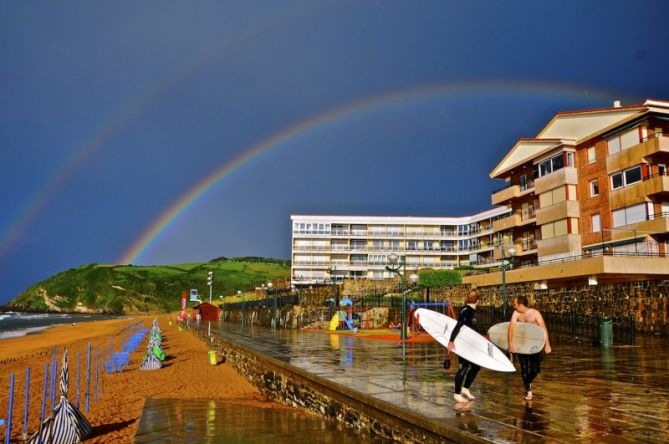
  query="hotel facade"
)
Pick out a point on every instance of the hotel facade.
point(333, 248)
point(589, 198)
point(585, 201)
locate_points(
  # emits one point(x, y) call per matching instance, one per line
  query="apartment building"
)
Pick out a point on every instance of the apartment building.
point(588, 197)
point(333, 248)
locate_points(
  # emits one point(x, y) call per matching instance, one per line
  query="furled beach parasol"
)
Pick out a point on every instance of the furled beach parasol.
point(154, 353)
point(66, 424)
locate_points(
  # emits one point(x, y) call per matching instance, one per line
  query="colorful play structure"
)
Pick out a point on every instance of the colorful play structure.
point(343, 319)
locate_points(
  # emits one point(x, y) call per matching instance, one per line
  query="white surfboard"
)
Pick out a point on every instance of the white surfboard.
point(527, 338)
point(468, 344)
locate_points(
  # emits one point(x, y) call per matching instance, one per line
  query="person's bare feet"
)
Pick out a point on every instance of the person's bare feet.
point(528, 396)
point(459, 398)
point(467, 393)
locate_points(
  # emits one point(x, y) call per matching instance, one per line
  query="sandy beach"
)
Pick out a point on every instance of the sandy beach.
point(115, 416)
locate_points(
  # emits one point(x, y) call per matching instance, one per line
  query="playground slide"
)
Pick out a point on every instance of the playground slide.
point(334, 322)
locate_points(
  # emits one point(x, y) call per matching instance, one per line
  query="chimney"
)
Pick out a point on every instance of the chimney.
point(617, 104)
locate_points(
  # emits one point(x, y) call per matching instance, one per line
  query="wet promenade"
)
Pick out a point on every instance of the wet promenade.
point(584, 393)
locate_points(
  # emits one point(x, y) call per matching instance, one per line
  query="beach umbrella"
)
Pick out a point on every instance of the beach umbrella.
point(153, 356)
point(66, 424)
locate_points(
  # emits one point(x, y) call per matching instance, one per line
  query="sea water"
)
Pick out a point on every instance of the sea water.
point(14, 324)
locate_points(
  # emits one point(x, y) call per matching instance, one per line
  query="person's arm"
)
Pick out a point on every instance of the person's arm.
point(464, 315)
point(512, 329)
point(542, 324)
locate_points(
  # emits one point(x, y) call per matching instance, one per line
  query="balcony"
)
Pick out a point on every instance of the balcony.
point(506, 223)
point(505, 195)
point(558, 211)
point(563, 176)
point(657, 223)
point(526, 246)
point(559, 244)
point(656, 186)
point(637, 153)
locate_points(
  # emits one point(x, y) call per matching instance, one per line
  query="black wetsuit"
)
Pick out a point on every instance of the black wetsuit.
point(530, 366)
point(467, 371)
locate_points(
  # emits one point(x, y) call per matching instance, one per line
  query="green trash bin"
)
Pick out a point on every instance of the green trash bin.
point(606, 332)
point(213, 360)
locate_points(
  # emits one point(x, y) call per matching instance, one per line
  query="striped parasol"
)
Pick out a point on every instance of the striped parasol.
point(66, 424)
point(151, 360)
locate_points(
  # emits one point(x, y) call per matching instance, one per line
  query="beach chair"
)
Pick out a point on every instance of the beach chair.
point(116, 363)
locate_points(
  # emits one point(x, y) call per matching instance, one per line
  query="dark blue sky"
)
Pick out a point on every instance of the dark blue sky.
point(111, 111)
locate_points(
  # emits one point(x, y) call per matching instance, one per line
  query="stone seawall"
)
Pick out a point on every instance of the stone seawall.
point(295, 387)
point(647, 302)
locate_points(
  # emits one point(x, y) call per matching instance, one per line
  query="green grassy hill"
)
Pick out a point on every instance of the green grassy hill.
point(96, 288)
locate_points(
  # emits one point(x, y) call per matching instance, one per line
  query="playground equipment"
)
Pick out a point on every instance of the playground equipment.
point(343, 318)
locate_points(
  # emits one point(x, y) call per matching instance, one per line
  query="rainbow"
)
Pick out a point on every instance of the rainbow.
point(26, 214)
point(336, 116)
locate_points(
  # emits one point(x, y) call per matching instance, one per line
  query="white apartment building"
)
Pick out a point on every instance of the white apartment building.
point(327, 248)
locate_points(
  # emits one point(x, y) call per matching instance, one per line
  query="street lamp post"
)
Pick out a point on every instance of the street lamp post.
point(505, 263)
point(335, 293)
point(269, 289)
point(210, 281)
point(397, 265)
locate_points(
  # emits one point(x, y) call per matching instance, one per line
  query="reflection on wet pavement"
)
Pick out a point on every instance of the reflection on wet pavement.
point(585, 393)
point(202, 421)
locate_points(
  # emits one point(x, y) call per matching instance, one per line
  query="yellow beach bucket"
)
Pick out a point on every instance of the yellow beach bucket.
point(213, 360)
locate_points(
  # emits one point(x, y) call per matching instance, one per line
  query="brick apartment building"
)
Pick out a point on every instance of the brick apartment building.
point(589, 198)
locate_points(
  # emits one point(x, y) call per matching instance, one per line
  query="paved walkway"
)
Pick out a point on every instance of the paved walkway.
point(584, 393)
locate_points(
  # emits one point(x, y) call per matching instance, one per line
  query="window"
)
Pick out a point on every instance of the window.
point(662, 169)
point(554, 229)
point(629, 215)
point(623, 141)
point(555, 196)
point(594, 187)
point(592, 155)
point(626, 177)
point(596, 223)
point(555, 163)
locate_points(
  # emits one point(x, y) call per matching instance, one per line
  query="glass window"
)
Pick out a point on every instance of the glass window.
point(633, 175)
point(616, 181)
point(594, 187)
point(614, 145)
point(560, 227)
point(559, 194)
point(545, 199)
point(629, 215)
point(547, 231)
point(596, 223)
point(557, 163)
point(545, 167)
point(592, 155)
point(629, 138)
point(570, 159)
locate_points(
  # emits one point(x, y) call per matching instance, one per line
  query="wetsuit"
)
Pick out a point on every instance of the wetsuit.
point(530, 367)
point(467, 371)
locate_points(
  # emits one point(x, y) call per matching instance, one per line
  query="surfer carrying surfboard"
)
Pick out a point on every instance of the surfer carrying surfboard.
point(467, 370)
point(530, 365)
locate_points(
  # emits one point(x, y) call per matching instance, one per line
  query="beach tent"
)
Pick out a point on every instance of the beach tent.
point(66, 424)
point(208, 312)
